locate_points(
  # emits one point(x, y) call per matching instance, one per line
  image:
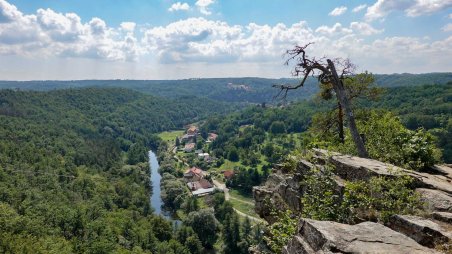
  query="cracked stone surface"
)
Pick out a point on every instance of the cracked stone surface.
point(367, 237)
point(422, 230)
point(436, 200)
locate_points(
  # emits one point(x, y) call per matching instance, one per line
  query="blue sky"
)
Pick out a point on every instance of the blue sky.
point(165, 39)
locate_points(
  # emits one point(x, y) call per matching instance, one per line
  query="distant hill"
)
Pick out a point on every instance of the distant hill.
point(253, 90)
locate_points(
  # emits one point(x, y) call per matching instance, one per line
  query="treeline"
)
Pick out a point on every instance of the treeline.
point(253, 90)
point(73, 170)
point(428, 107)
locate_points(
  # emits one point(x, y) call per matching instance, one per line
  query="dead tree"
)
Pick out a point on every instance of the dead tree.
point(326, 72)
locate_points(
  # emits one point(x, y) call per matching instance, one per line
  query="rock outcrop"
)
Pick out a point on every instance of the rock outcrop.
point(422, 230)
point(354, 168)
point(367, 237)
point(280, 192)
point(436, 200)
point(402, 234)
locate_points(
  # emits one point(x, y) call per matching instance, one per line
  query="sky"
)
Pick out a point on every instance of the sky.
point(167, 39)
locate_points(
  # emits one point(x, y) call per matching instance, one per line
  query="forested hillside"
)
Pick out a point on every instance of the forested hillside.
point(428, 107)
point(254, 90)
point(73, 171)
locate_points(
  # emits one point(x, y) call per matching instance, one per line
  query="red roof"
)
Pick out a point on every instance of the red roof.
point(191, 145)
point(194, 170)
point(228, 174)
point(213, 136)
point(205, 184)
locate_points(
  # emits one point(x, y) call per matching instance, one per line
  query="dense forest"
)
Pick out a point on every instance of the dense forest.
point(73, 170)
point(254, 90)
point(74, 173)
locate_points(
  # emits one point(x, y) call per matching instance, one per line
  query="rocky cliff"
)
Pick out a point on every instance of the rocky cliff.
point(401, 234)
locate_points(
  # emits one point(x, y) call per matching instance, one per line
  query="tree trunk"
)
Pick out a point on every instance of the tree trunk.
point(338, 87)
point(340, 122)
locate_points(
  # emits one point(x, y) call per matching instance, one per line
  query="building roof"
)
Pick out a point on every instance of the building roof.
point(192, 129)
point(205, 184)
point(212, 136)
point(202, 191)
point(228, 174)
point(190, 145)
point(194, 170)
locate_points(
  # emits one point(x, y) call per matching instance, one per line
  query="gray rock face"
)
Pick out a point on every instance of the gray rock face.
point(436, 200)
point(443, 216)
point(281, 192)
point(423, 231)
point(354, 168)
point(367, 237)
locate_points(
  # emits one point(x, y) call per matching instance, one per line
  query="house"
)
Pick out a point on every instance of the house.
point(189, 147)
point(187, 137)
point(193, 130)
point(193, 174)
point(201, 187)
point(203, 156)
point(199, 151)
point(212, 137)
point(202, 192)
point(228, 174)
point(201, 184)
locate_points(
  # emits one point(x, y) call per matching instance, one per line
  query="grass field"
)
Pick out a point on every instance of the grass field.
point(243, 207)
point(170, 135)
point(237, 195)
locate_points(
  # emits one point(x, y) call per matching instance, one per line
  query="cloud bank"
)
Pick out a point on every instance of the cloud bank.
point(199, 41)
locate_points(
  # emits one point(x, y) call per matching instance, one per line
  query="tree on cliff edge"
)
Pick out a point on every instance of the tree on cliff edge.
point(325, 70)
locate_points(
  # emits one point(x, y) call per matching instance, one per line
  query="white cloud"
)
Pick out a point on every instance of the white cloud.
point(179, 7)
point(382, 8)
point(338, 11)
point(203, 6)
point(425, 7)
point(8, 12)
point(48, 33)
point(450, 16)
point(337, 29)
point(359, 8)
point(128, 26)
point(447, 28)
point(364, 28)
point(206, 47)
point(411, 8)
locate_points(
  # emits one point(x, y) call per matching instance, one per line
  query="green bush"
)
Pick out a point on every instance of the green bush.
point(280, 232)
point(378, 199)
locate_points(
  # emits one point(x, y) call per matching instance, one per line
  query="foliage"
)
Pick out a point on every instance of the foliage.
point(280, 232)
point(244, 179)
point(65, 182)
point(379, 198)
point(205, 226)
point(389, 141)
point(174, 191)
point(321, 198)
point(386, 139)
point(375, 199)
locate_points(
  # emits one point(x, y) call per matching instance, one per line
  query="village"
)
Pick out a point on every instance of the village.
point(199, 181)
point(201, 172)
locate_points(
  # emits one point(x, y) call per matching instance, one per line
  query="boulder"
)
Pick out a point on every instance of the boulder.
point(436, 200)
point(423, 231)
point(367, 237)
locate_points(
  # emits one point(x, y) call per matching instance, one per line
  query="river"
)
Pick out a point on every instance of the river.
point(156, 199)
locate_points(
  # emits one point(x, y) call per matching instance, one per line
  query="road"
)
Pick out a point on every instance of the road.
point(222, 187)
